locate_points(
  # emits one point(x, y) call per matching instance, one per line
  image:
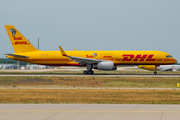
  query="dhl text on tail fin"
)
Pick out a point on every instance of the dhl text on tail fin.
point(19, 42)
point(101, 60)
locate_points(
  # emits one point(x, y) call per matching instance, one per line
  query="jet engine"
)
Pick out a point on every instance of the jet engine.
point(105, 66)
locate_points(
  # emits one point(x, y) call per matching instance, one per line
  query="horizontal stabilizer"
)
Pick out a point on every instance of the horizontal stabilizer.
point(21, 56)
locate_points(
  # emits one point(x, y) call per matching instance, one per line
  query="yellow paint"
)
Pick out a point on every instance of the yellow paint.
point(23, 47)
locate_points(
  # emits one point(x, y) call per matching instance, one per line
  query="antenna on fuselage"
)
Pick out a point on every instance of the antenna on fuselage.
point(38, 42)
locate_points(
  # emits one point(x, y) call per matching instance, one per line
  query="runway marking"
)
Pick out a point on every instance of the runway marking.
point(81, 111)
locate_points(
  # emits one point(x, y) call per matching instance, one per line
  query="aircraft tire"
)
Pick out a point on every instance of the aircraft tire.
point(85, 72)
point(90, 72)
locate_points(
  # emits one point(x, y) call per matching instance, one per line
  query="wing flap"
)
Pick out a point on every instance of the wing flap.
point(84, 60)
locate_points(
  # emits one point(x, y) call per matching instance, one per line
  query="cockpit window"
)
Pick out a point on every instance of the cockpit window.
point(168, 56)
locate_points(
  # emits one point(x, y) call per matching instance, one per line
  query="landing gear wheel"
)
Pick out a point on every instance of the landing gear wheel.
point(155, 73)
point(85, 72)
point(90, 72)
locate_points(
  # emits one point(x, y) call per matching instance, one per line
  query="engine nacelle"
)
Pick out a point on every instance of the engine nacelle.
point(105, 66)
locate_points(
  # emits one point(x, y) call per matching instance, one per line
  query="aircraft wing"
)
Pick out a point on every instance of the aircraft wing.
point(166, 68)
point(84, 60)
point(14, 55)
point(174, 70)
point(80, 60)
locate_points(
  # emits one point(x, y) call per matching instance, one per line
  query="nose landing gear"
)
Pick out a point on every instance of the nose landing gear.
point(155, 71)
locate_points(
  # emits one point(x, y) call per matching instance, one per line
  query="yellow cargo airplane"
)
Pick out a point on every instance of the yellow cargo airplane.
point(101, 60)
point(160, 68)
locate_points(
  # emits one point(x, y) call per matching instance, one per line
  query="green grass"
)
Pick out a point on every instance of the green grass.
point(123, 82)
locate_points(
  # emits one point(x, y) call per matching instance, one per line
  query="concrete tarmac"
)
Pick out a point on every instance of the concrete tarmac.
point(97, 88)
point(94, 75)
point(89, 112)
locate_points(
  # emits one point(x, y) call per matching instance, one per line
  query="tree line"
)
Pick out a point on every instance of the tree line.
point(10, 61)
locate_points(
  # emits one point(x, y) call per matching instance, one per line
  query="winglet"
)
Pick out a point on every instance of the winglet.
point(62, 51)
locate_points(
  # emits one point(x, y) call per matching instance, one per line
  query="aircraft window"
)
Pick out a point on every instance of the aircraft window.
point(168, 56)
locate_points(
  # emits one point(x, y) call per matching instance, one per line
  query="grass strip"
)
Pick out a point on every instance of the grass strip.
point(122, 82)
point(90, 96)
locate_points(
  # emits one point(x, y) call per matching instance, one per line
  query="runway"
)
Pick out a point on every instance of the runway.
point(89, 112)
point(97, 88)
point(94, 75)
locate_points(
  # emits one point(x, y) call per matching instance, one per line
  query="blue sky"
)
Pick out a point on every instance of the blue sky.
point(94, 24)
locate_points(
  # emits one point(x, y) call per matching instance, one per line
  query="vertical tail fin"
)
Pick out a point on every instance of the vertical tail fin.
point(19, 42)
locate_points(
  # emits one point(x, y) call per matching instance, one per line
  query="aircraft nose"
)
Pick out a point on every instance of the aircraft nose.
point(175, 60)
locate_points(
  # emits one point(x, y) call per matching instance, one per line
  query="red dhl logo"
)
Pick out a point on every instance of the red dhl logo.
point(138, 57)
point(89, 56)
point(17, 38)
point(21, 43)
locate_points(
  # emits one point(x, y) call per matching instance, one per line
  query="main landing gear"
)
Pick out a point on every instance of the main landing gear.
point(89, 69)
point(88, 72)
